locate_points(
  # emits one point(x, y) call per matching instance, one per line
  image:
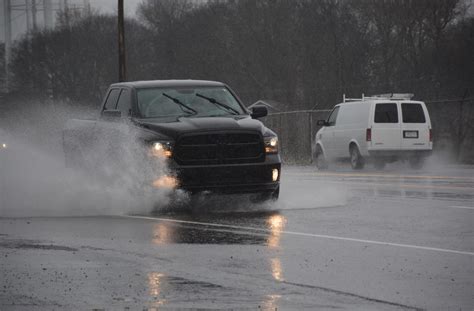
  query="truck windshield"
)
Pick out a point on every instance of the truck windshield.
point(155, 102)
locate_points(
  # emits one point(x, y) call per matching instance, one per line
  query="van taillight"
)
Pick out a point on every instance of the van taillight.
point(368, 135)
point(431, 135)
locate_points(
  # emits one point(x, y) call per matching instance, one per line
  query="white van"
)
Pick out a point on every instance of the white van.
point(382, 128)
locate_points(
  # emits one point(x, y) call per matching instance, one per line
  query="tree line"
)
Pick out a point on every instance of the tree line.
point(304, 54)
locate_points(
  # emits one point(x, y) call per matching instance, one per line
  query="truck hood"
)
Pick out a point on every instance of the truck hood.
point(207, 124)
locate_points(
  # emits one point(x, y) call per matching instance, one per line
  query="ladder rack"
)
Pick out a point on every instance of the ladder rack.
point(387, 96)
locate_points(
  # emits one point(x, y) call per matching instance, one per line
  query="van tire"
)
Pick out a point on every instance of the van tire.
point(357, 162)
point(319, 159)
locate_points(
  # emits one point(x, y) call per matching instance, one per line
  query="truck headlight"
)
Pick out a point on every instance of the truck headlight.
point(271, 144)
point(162, 149)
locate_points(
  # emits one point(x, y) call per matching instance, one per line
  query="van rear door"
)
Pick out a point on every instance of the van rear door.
point(415, 128)
point(386, 127)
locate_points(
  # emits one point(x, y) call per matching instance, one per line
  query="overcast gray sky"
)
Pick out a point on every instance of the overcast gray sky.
point(104, 6)
point(19, 20)
point(111, 5)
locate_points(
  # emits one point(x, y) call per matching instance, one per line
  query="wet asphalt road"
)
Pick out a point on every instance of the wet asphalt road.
point(336, 240)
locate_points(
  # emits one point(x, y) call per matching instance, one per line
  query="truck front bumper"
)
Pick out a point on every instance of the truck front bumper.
point(230, 178)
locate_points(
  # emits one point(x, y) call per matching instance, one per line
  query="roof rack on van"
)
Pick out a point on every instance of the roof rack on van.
point(388, 96)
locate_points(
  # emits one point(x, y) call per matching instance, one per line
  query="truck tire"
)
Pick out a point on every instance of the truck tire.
point(357, 162)
point(73, 158)
point(267, 196)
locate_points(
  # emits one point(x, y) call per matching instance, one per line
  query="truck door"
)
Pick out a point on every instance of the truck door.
point(112, 133)
point(386, 127)
point(415, 128)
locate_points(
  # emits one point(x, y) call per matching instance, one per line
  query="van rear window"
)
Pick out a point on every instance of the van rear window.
point(386, 113)
point(413, 113)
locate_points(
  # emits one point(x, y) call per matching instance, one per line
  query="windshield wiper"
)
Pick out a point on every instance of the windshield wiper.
point(181, 105)
point(212, 100)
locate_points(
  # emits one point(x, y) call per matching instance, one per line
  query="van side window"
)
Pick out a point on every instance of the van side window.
point(111, 101)
point(413, 113)
point(386, 113)
point(333, 116)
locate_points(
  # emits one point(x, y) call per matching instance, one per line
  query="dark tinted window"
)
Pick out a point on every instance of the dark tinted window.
point(124, 103)
point(386, 113)
point(332, 118)
point(413, 113)
point(111, 102)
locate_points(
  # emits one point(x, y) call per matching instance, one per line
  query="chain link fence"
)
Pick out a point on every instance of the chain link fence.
point(452, 122)
point(296, 130)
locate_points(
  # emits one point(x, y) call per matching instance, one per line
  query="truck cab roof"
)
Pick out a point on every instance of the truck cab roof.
point(167, 83)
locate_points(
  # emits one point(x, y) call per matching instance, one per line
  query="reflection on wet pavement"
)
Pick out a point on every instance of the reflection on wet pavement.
point(154, 286)
point(277, 271)
point(199, 233)
point(162, 286)
point(270, 302)
point(196, 231)
point(276, 224)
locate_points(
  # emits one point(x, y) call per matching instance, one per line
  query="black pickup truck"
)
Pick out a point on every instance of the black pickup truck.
point(200, 129)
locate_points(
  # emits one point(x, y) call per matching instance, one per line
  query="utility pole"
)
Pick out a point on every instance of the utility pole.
point(28, 17)
point(121, 43)
point(48, 14)
point(7, 11)
point(87, 6)
point(34, 11)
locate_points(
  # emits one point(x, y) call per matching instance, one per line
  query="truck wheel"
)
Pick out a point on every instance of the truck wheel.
point(266, 196)
point(73, 158)
point(416, 162)
point(357, 162)
point(276, 194)
point(319, 159)
point(379, 164)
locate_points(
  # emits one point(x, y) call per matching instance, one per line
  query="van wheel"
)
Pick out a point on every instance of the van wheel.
point(319, 159)
point(357, 162)
point(416, 162)
point(379, 164)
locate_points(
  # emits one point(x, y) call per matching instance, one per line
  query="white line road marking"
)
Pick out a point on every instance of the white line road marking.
point(304, 234)
point(463, 207)
point(335, 174)
point(405, 200)
point(359, 183)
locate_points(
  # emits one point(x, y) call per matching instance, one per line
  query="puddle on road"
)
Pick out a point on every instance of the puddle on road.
point(165, 291)
point(267, 229)
point(33, 244)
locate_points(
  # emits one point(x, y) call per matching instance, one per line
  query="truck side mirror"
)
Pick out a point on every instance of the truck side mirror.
point(111, 113)
point(322, 123)
point(259, 112)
